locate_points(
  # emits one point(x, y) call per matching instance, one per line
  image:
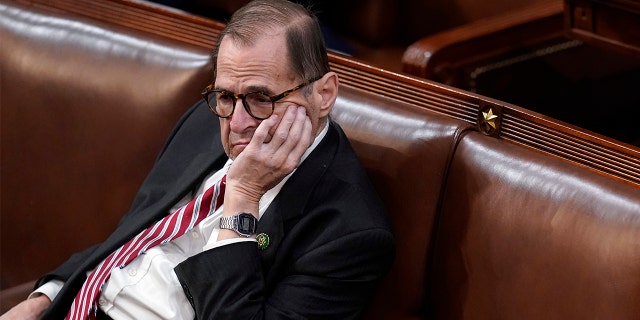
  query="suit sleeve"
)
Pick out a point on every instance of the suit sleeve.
point(331, 280)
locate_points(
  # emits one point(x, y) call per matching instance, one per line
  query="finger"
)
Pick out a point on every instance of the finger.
point(300, 138)
point(296, 131)
point(306, 138)
point(263, 131)
point(281, 133)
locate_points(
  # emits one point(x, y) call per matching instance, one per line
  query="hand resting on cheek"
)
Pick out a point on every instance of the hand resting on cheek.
point(274, 152)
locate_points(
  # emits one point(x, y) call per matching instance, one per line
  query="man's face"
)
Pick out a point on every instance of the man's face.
point(259, 67)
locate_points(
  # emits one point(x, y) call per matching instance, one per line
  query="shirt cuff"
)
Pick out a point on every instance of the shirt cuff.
point(49, 289)
point(214, 244)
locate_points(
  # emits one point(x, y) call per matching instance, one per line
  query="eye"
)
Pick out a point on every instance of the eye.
point(224, 97)
point(259, 99)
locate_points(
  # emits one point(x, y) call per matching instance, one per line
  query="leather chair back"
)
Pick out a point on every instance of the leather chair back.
point(523, 235)
point(86, 108)
point(406, 151)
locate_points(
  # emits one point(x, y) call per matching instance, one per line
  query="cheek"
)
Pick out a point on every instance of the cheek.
point(313, 114)
point(224, 135)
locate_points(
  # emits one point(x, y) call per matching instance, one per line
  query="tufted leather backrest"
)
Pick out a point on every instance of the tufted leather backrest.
point(86, 108)
point(526, 236)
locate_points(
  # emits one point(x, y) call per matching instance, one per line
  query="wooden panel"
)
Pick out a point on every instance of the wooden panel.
point(612, 24)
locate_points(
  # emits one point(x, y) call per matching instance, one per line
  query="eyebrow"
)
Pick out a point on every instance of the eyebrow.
point(249, 89)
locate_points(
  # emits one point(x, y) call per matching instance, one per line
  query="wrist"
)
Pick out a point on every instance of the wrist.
point(237, 199)
point(236, 203)
point(42, 299)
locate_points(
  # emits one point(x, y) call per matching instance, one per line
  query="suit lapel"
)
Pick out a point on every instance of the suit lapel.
point(293, 197)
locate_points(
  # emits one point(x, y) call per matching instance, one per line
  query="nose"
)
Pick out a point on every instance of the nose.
point(241, 120)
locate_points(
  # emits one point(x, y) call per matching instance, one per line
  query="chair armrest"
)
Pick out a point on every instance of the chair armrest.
point(440, 56)
point(12, 296)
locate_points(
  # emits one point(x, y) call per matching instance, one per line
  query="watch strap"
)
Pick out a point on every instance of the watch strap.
point(228, 223)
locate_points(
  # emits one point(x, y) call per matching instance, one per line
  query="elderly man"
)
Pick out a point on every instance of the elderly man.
point(268, 215)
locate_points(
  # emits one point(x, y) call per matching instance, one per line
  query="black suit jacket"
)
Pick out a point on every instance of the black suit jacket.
point(329, 239)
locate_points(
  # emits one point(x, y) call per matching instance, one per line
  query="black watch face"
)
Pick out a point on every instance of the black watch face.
point(246, 224)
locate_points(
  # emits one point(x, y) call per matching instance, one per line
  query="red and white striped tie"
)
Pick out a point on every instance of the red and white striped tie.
point(168, 228)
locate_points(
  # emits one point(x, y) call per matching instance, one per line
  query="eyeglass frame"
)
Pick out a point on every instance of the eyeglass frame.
point(235, 96)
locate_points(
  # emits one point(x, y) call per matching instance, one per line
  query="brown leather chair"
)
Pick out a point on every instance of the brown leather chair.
point(522, 235)
point(406, 151)
point(86, 107)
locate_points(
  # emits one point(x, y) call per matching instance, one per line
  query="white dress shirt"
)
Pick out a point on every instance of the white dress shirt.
point(148, 288)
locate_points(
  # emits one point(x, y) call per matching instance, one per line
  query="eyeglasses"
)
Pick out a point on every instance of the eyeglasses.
point(258, 104)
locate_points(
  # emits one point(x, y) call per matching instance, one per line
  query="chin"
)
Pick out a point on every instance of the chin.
point(235, 151)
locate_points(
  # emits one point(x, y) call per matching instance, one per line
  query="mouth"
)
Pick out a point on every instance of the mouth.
point(238, 146)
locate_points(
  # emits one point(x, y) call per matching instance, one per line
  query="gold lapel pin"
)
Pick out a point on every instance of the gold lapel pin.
point(263, 240)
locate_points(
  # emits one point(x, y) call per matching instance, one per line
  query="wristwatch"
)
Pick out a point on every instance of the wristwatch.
point(245, 224)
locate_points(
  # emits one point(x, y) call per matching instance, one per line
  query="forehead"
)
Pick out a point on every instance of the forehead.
point(262, 63)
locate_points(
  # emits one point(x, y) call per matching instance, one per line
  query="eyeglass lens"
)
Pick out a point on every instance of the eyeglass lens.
point(259, 104)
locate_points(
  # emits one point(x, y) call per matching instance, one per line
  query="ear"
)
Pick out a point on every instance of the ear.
point(326, 89)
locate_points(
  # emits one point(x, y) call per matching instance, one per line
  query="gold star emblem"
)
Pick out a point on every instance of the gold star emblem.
point(490, 119)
